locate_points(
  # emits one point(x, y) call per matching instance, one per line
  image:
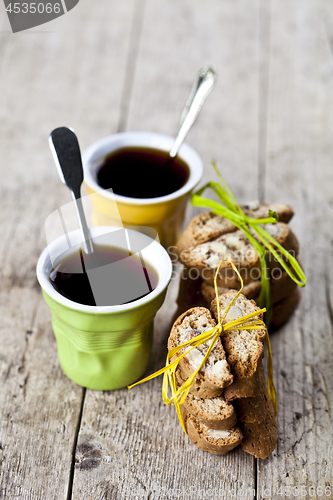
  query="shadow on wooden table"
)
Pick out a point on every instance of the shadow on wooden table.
point(188, 296)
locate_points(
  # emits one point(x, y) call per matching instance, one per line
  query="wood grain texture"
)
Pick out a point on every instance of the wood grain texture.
point(134, 432)
point(48, 78)
point(182, 37)
point(298, 171)
point(113, 65)
point(39, 406)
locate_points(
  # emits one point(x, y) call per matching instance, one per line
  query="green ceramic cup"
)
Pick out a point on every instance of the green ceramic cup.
point(109, 347)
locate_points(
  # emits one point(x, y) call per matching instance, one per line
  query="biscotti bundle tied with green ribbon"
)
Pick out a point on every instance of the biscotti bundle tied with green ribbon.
point(257, 239)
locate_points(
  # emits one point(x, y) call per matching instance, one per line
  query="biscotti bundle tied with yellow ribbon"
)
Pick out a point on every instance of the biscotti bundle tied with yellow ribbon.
point(216, 376)
point(257, 239)
point(228, 402)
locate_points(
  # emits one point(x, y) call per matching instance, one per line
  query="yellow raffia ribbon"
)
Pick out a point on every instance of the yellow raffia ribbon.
point(247, 322)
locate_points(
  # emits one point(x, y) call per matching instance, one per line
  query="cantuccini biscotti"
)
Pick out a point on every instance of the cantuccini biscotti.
point(260, 439)
point(282, 233)
point(212, 422)
point(282, 286)
point(199, 387)
point(235, 246)
point(255, 409)
point(251, 291)
point(243, 388)
point(208, 226)
point(218, 442)
point(216, 412)
point(216, 374)
point(244, 348)
point(283, 309)
point(231, 246)
point(261, 210)
point(257, 420)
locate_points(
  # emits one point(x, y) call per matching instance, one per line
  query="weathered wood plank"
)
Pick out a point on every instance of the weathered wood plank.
point(298, 171)
point(39, 406)
point(131, 439)
point(65, 76)
point(180, 38)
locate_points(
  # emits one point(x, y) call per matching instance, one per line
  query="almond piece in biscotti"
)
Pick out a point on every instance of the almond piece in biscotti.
point(244, 348)
point(218, 442)
point(215, 374)
point(234, 247)
point(209, 226)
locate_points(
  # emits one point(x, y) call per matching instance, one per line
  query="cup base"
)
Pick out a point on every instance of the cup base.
point(108, 370)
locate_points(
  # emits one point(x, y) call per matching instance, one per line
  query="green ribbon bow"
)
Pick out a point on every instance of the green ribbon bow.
point(230, 209)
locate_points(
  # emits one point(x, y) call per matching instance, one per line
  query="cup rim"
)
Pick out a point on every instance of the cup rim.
point(164, 273)
point(107, 144)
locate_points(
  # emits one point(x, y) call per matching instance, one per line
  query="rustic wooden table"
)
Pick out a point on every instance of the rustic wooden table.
point(109, 66)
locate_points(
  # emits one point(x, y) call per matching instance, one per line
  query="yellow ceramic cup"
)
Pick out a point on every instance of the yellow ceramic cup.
point(164, 214)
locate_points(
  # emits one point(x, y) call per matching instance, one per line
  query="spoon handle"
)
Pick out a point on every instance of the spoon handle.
point(202, 86)
point(67, 156)
point(87, 243)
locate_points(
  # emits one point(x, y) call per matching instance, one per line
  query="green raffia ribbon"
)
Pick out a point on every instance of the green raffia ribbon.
point(247, 322)
point(230, 209)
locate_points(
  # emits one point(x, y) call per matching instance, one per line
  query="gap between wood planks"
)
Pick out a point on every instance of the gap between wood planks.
point(137, 23)
point(264, 23)
point(328, 300)
point(132, 57)
point(76, 437)
point(263, 88)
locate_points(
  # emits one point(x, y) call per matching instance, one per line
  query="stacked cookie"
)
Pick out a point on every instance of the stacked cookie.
point(228, 402)
point(210, 238)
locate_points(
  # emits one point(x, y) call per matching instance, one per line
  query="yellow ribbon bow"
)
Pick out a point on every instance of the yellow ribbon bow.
point(247, 322)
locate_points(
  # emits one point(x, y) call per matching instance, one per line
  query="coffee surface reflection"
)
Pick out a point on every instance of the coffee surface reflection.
point(141, 172)
point(110, 276)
